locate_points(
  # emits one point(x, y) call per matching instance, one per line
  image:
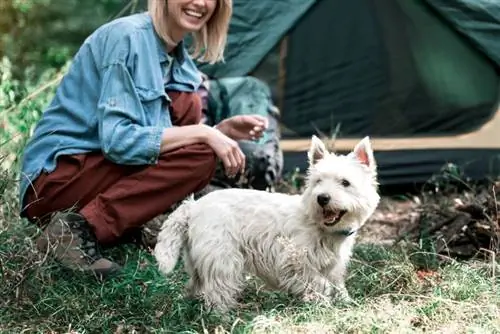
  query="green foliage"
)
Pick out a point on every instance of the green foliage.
point(10, 88)
point(388, 293)
point(44, 34)
point(21, 105)
point(37, 41)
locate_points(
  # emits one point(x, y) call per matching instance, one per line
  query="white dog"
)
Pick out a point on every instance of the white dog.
point(299, 244)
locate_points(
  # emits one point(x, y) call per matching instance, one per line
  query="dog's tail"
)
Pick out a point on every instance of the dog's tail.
point(172, 237)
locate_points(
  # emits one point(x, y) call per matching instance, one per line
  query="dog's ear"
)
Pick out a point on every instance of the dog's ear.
point(317, 150)
point(364, 154)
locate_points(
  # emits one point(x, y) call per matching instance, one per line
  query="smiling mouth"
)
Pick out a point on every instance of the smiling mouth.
point(193, 13)
point(332, 217)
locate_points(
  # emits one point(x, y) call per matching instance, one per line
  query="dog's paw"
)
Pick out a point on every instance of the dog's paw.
point(341, 296)
point(316, 298)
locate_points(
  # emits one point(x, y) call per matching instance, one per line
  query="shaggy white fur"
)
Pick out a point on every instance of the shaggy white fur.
point(300, 244)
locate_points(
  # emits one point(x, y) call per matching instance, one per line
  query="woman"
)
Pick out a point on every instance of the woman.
point(122, 139)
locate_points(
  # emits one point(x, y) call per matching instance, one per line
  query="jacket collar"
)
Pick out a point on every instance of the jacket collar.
point(179, 52)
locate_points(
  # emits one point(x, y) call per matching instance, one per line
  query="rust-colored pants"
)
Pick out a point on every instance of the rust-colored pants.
point(116, 199)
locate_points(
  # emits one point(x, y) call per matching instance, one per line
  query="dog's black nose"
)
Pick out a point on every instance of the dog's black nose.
point(323, 199)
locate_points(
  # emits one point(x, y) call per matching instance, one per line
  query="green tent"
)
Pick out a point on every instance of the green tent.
point(420, 77)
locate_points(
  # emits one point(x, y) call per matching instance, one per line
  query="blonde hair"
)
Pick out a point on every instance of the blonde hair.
point(208, 43)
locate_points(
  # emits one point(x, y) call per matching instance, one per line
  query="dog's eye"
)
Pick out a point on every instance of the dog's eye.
point(345, 183)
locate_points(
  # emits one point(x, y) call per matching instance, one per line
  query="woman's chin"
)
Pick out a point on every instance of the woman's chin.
point(191, 25)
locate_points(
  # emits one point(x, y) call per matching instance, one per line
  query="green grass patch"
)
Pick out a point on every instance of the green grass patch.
point(390, 294)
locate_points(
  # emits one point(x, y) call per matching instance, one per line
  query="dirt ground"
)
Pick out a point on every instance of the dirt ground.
point(392, 218)
point(462, 224)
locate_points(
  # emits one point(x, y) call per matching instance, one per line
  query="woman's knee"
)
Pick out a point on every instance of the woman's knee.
point(206, 168)
point(207, 155)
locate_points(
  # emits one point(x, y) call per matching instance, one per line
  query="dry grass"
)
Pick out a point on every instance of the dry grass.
point(395, 289)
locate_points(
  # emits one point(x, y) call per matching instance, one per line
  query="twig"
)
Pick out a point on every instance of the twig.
point(37, 92)
point(496, 203)
point(132, 5)
point(124, 9)
point(493, 267)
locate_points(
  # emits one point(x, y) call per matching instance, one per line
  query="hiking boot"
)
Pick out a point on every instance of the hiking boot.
point(69, 237)
point(150, 230)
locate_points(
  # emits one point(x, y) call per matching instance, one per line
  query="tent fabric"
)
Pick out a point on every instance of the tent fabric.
point(387, 68)
point(479, 20)
point(256, 26)
point(384, 68)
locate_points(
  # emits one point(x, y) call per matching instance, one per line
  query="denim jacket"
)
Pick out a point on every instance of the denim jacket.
point(112, 99)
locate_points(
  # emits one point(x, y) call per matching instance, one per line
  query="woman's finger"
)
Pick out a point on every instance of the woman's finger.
point(227, 164)
point(234, 163)
point(254, 120)
point(264, 122)
point(231, 171)
point(243, 161)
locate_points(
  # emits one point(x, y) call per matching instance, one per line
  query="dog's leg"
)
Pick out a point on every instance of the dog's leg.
point(306, 283)
point(336, 275)
point(221, 279)
point(317, 289)
point(193, 285)
point(295, 273)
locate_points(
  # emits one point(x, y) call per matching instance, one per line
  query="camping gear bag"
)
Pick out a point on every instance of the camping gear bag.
point(227, 97)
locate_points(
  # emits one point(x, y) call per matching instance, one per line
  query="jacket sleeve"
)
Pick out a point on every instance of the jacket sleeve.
point(124, 137)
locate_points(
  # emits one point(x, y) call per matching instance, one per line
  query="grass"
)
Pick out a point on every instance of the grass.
point(397, 290)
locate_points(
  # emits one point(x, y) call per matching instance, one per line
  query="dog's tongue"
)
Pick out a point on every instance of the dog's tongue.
point(330, 214)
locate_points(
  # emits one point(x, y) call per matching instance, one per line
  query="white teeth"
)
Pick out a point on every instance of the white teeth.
point(193, 13)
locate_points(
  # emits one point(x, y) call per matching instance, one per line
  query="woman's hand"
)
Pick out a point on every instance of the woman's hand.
point(226, 148)
point(228, 151)
point(243, 127)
